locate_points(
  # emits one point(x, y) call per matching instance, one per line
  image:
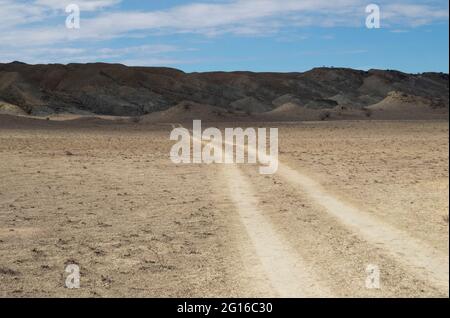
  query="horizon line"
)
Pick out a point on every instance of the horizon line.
point(233, 71)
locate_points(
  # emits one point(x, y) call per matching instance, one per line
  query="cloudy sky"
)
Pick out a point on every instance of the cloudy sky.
point(257, 35)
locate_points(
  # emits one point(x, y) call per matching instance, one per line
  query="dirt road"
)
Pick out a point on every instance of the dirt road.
point(346, 196)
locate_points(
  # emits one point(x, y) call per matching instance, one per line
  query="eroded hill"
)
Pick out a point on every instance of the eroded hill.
point(114, 89)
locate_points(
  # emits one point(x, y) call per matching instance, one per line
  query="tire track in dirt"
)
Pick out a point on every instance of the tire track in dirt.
point(417, 257)
point(288, 275)
point(425, 261)
point(339, 256)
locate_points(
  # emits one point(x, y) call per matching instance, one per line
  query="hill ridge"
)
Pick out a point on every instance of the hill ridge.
point(119, 90)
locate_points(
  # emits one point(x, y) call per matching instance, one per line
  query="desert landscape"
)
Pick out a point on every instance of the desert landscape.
point(361, 188)
point(102, 193)
point(225, 156)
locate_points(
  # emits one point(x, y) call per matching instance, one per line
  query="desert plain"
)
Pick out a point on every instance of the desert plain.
point(349, 197)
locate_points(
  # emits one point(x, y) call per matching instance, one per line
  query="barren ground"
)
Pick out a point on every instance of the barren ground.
point(108, 198)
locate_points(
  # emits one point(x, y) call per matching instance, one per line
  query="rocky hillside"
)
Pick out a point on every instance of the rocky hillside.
point(113, 89)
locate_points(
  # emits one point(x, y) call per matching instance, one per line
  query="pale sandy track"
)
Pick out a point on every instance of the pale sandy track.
point(140, 225)
point(287, 273)
point(338, 255)
point(425, 261)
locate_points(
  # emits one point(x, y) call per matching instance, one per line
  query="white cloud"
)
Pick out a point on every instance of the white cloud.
point(85, 5)
point(239, 17)
point(151, 54)
point(14, 13)
point(29, 25)
point(412, 14)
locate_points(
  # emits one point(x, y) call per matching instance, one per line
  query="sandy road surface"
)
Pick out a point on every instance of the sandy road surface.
point(138, 225)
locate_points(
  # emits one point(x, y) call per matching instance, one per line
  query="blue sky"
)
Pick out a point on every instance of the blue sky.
point(228, 35)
